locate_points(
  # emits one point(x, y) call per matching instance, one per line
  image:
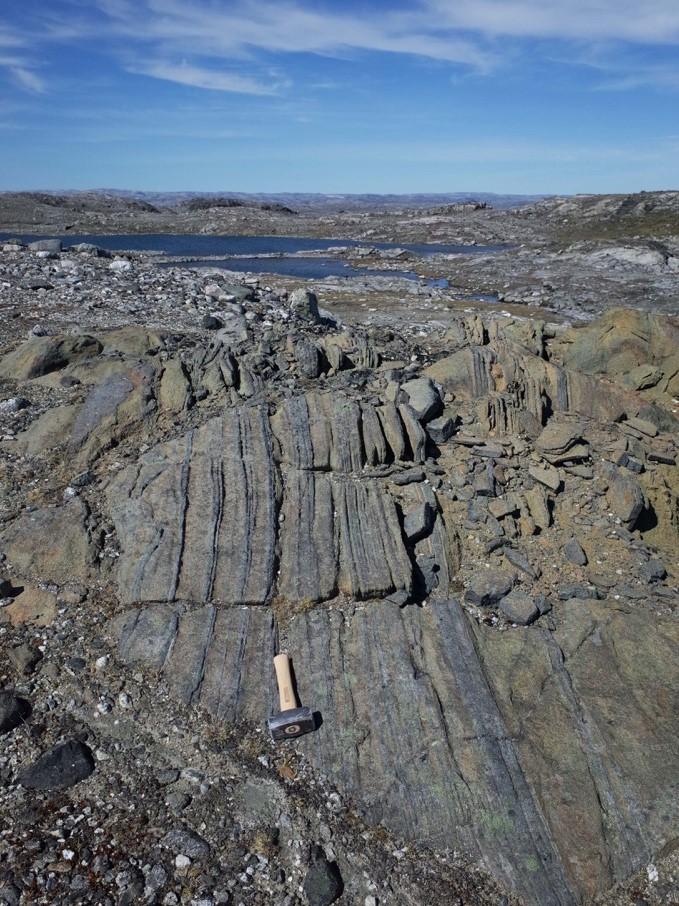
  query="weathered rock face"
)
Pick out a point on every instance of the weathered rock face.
point(208, 656)
point(54, 543)
point(434, 726)
point(44, 355)
point(197, 516)
point(198, 519)
point(621, 341)
point(487, 683)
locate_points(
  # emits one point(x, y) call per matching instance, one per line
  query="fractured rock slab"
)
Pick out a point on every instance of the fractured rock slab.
point(216, 658)
point(197, 516)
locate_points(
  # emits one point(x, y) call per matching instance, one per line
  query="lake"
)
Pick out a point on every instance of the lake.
point(264, 254)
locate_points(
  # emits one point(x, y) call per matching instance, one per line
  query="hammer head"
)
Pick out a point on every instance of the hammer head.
point(291, 723)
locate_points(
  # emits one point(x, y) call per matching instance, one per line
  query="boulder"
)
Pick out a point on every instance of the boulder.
point(13, 711)
point(62, 767)
point(323, 882)
point(419, 522)
point(423, 398)
point(53, 246)
point(625, 497)
point(42, 355)
point(520, 608)
point(546, 475)
point(561, 440)
point(441, 429)
point(33, 605)
point(120, 265)
point(211, 322)
point(487, 588)
point(574, 553)
point(305, 305)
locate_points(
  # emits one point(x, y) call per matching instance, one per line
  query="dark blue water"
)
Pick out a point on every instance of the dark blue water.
point(192, 245)
point(305, 268)
point(241, 247)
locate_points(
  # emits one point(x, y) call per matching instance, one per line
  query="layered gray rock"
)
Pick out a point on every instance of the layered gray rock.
point(215, 658)
point(197, 516)
point(446, 731)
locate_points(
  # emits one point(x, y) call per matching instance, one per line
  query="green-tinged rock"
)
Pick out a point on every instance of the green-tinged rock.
point(53, 543)
point(42, 355)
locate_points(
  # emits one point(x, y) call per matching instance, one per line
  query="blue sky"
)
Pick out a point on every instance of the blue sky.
point(523, 96)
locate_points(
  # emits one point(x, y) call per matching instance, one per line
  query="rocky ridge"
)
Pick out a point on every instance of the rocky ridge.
point(465, 535)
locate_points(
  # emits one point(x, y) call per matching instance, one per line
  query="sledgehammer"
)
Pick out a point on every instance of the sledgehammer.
point(292, 721)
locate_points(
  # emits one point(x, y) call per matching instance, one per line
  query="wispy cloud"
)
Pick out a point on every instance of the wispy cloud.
point(644, 77)
point(27, 79)
point(468, 34)
point(627, 69)
point(436, 29)
point(227, 46)
point(287, 27)
point(9, 38)
point(201, 77)
point(648, 22)
point(21, 70)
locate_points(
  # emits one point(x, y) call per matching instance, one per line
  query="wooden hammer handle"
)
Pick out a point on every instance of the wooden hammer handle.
point(284, 678)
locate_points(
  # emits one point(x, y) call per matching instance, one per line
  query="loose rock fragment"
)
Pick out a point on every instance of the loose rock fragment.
point(323, 883)
point(520, 608)
point(625, 497)
point(62, 767)
point(546, 475)
point(14, 710)
point(183, 840)
point(423, 398)
point(488, 588)
point(574, 553)
point(441, 429)
point(419, 522)
point(305, 305)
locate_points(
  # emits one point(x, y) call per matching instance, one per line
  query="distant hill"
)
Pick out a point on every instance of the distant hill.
point(308, 201)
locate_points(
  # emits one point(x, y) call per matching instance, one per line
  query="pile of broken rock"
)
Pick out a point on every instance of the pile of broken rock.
point(468, 544)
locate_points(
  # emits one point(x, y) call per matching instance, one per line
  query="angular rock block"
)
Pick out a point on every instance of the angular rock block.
point(330, 432)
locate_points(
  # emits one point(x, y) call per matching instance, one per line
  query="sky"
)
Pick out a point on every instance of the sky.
point(338, 96)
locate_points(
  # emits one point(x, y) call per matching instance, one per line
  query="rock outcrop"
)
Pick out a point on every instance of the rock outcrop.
point(470, 557)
